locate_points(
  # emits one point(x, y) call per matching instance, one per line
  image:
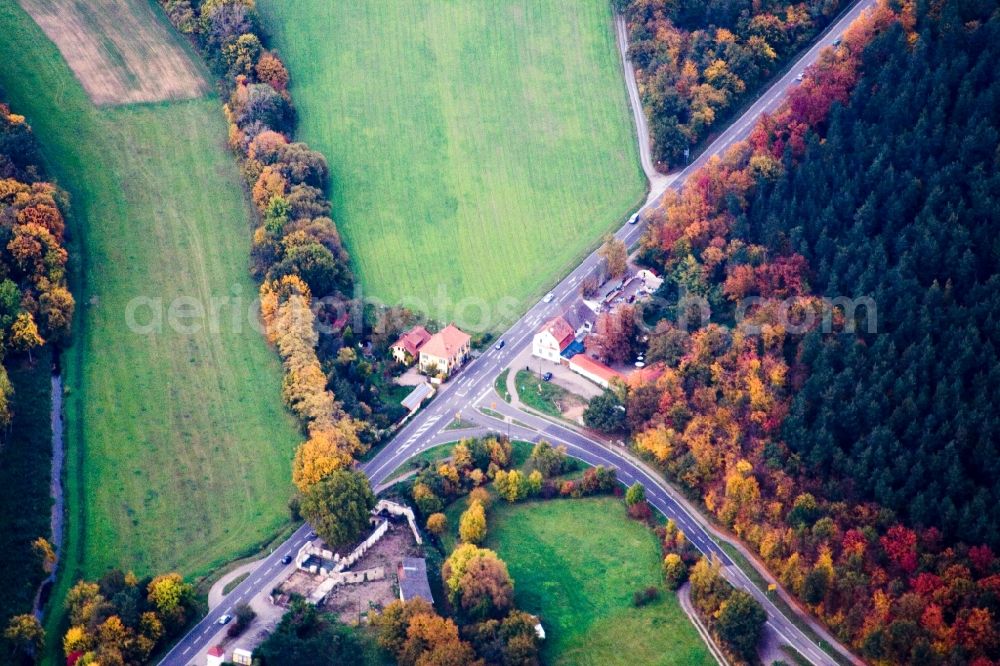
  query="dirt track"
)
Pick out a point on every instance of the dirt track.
point(120, 50)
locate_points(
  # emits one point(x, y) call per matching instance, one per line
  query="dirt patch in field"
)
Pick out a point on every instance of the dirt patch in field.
point(120, 50)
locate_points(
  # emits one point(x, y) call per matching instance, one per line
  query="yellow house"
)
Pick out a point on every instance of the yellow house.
point(444, 352)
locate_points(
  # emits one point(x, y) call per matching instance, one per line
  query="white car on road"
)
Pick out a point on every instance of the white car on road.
point(548, 297)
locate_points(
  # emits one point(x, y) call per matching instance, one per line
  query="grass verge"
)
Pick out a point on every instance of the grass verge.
point(231, 585)
point(500, 385)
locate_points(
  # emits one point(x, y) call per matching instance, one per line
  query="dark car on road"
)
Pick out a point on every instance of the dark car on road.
point(547, 376)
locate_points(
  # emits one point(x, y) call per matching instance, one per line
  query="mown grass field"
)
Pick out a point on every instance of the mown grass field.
point(576, 563)
point(477, 149)
point(178, 446)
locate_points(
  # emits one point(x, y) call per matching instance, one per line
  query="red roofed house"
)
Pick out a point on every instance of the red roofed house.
point(445, 351)
point(216, 655)
point(554, 337)
point(406, 349)
point(593, 370)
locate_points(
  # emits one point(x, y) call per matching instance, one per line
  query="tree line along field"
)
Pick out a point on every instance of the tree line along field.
point(477, 148)
point(25, 500)
point(178, 447)
point(577, 563)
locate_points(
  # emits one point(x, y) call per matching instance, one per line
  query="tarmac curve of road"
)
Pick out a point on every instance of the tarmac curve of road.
point(472, 388)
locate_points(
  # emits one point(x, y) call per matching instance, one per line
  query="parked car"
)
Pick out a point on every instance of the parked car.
point(310, 536)
point(547, 376)
point(799, 76)
point(499, 345)
point(836, 42)
point(287, 559)
point(225, 619)
point(548, 297)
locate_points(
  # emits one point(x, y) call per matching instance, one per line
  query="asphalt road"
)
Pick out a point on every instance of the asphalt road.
point(473, 386)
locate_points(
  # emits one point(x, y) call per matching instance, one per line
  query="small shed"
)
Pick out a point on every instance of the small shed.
point(413, 581)
point(216, 655)
point(242, 657)
point(417, 396)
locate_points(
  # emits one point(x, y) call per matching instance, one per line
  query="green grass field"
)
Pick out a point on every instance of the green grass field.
point(477, 149)
point(179, 448)
point(576, 563)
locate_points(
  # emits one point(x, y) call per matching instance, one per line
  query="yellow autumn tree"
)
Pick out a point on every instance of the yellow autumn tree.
point(659, 441)
point(43, 549)
point(472, 524)
point(77, 640)
point(24, 334)
point(437, 523)
point(742, 500)
point(325, 451)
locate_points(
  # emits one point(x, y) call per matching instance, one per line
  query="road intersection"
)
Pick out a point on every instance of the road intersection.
point(472, 389)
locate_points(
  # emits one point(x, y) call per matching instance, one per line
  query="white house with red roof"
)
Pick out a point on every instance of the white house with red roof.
point(552, 339)
point(215, 656)
point(445, 351)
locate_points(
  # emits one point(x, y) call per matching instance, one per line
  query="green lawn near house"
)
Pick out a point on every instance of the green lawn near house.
point(543, 396)
point(178, 446)
point(477, 149)
point(576, 563)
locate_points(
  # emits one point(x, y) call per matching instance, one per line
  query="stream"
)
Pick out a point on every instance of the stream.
point(56, 523)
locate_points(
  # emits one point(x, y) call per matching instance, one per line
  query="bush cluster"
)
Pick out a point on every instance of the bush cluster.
point(122, 620)
point(35, 304)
